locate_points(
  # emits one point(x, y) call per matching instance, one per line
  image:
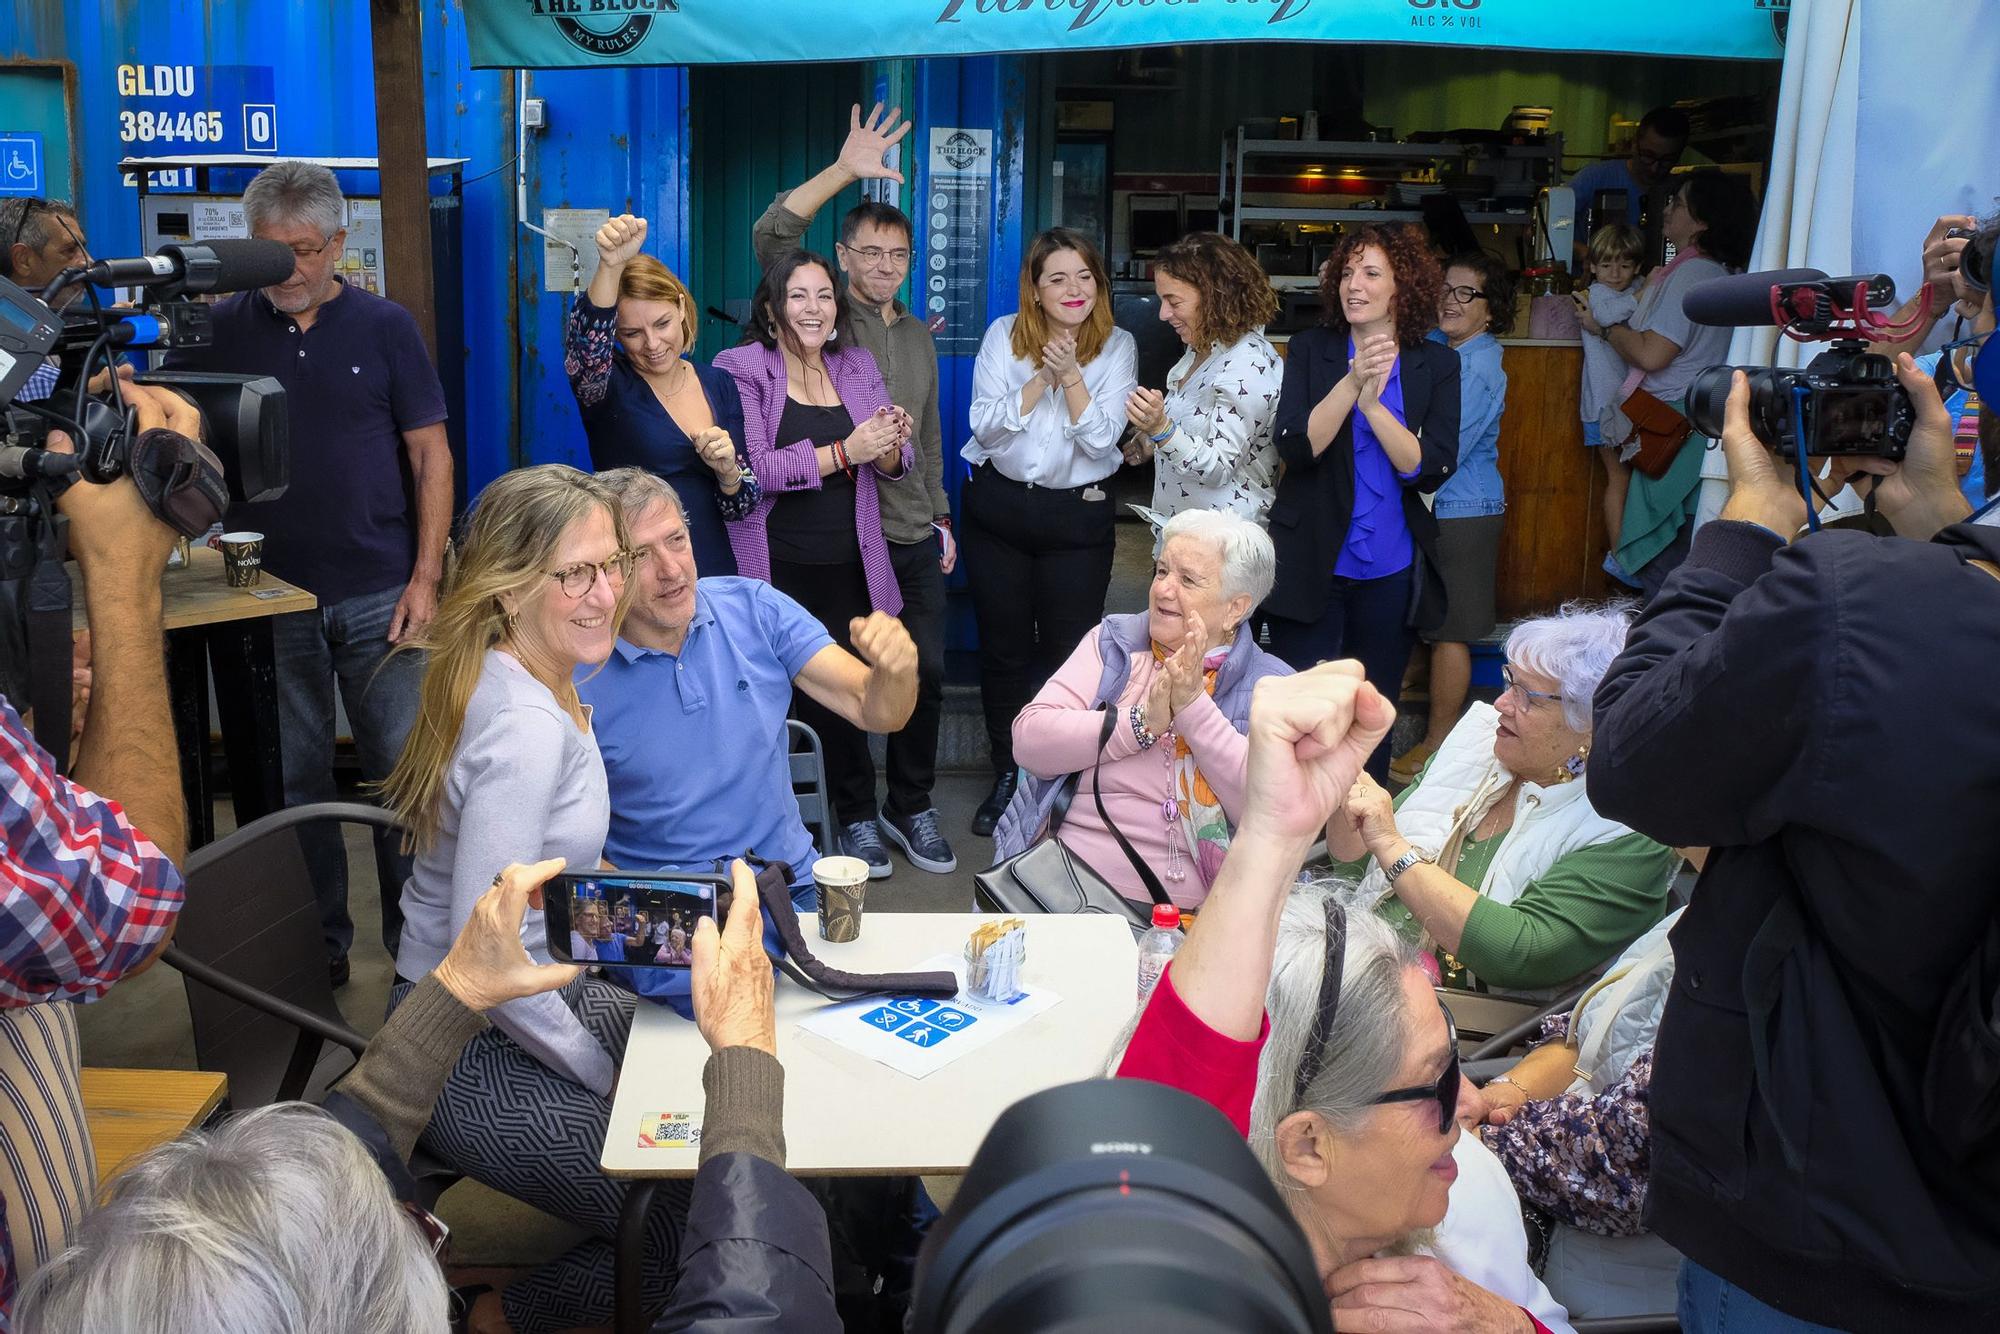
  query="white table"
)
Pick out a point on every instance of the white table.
point(848, 1115)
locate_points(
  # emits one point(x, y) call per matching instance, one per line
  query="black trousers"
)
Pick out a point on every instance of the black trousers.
point(1039, 561)
point(1365, 619)
point(913, 751)
point(834, 595)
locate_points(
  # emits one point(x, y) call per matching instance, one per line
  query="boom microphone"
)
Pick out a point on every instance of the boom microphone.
point(230, 265)
point(1784, 297)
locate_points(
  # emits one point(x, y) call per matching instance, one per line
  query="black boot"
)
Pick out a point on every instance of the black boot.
point(995, 805)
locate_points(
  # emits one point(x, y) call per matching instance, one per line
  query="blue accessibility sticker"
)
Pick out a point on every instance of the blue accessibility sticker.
point(923, 1035)
point(950, 1019)
point(885, 1019)
point(916, 1005)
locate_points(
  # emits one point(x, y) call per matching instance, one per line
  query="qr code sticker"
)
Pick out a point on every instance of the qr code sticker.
point(670, 1130)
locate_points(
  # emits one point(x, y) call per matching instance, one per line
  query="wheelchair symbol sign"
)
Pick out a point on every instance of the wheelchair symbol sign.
point(21, 163)
point(914, 1005)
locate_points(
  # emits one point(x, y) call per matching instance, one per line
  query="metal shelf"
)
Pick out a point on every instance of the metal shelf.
point(1262, 213)
point(1364, 150)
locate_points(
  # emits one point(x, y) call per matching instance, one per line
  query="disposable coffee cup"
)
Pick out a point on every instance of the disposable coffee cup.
point(843, 885)
point(242, 559)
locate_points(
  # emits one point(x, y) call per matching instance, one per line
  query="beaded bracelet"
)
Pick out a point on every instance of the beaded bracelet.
point(1146, 739)
point(840, 459)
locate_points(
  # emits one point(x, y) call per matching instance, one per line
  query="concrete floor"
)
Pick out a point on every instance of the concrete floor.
point(144, 1022)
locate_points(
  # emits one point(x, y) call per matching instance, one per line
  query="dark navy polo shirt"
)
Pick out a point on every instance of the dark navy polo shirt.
point(354, 382)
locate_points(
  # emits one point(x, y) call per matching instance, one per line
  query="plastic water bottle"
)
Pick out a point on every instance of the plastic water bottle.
point(1157, 947)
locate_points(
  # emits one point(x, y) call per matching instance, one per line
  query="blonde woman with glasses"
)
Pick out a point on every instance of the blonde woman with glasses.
point(502, 767)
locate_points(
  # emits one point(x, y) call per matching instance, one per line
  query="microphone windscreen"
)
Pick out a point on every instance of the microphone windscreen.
point(244, 263)
point(1741, 300)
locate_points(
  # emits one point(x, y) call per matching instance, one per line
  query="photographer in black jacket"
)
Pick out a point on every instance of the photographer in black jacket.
point(1821, 713)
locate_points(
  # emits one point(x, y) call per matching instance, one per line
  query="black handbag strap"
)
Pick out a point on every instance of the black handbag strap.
point(1066, 793)
point(1146, 876)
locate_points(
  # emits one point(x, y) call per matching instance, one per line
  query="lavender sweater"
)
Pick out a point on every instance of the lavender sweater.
point(759, 373)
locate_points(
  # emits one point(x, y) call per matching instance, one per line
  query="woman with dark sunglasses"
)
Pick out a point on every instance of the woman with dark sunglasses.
point(1347, 1084)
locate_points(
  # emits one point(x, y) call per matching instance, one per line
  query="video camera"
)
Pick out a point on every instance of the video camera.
point(1846, 400)
point(244, 423)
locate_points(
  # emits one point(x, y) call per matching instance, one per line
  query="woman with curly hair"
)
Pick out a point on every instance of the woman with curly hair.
point(1367, 425)
point(1210, 432)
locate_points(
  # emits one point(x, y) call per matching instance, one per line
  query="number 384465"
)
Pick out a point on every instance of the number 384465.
point(146, 127)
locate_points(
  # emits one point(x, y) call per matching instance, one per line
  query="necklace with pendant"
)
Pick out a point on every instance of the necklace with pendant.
point(1170, 814)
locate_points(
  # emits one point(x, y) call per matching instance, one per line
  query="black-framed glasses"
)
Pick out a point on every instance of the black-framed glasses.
point(578, 579)
point(874, 254)
point(1533, 697)
point(1445, 1090)
point(1465, 296)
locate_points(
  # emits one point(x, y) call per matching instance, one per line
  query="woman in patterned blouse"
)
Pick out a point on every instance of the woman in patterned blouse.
point(1209, 434)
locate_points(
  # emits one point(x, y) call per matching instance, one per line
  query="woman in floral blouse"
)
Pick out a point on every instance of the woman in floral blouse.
point(1209, 434)
point(1569, 1122)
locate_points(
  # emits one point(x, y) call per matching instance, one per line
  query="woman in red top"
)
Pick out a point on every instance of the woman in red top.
point(1363, 1170)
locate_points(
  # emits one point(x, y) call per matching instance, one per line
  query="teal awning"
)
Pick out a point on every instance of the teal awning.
point(540, 34)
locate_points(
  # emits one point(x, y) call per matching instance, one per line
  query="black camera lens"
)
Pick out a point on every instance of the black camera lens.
point(1975, 262)
point(1116, 1204)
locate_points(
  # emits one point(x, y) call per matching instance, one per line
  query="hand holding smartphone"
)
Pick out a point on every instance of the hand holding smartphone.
point(636, 919)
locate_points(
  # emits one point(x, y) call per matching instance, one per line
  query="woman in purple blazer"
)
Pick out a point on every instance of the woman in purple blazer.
point(818, 426)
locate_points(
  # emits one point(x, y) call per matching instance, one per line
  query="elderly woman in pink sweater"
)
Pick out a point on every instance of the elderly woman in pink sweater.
point(1178, 678)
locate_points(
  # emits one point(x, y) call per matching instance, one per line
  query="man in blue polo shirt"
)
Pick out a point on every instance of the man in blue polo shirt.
point(362, 526)
point(1657, 146)
point(689, 710)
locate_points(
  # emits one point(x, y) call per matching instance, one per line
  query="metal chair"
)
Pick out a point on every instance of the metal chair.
point(808, 760)
point(249, 950)
point(249, 947)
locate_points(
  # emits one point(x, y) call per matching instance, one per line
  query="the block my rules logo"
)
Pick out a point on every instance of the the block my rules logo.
point(603, 28)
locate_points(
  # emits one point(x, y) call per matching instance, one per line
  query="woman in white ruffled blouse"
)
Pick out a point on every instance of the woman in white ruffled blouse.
point(1209, 434)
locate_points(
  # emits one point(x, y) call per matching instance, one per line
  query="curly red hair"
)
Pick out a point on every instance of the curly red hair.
point(1419, 279)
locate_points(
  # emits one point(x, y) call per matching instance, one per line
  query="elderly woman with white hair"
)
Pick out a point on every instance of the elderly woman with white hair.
point(1178, 679)
point(1312, 1027)
point(1494, 856)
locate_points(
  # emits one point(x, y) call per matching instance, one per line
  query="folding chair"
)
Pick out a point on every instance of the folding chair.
point(808, 760)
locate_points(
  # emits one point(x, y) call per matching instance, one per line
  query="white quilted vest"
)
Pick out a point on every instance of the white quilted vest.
point(1617, 1020)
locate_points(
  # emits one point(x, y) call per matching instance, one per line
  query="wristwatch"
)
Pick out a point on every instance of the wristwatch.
point(1406, 861)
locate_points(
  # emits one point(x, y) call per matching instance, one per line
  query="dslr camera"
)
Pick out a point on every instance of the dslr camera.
point(1846, 400)
point(246, 454)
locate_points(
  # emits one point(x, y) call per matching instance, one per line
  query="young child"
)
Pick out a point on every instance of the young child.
point(1615, 253)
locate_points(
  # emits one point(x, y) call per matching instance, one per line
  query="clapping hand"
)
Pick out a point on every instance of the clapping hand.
point(731, 983)
point(619, 239)
point(1373, 361)
point(487, 965)
point(868, 143)
point(1183, 666)
point(1310, 734)
point(879, 435)
point(1147, 409)
point(718, 450)
point(1370, 812)
point(1059, 359)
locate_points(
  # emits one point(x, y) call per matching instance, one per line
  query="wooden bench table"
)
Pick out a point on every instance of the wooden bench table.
point(132, 1111)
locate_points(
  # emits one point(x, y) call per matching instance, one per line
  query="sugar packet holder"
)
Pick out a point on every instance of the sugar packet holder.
point(993, 960)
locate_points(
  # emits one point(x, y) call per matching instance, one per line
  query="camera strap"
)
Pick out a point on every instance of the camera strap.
point(774, 890)
point(180, 480)
point(51, 643)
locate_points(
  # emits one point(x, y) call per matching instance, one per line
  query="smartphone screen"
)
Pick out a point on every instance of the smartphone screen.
point(630, 919)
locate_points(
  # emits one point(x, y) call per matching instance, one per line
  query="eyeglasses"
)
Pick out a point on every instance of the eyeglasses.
point(578, 579)
point(873, 255)
point(1445, 1090)
point(1313, 1059)
point(1464, 296)
point(1532, 697)
point(433, 1228)
point(312, 252)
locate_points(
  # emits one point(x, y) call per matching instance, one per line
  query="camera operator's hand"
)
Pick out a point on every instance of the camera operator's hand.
point(1920, 495)
point(1942, 257)
point(487, 965)
point(732, 983)
point(111, 530)
point(1759, 492)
